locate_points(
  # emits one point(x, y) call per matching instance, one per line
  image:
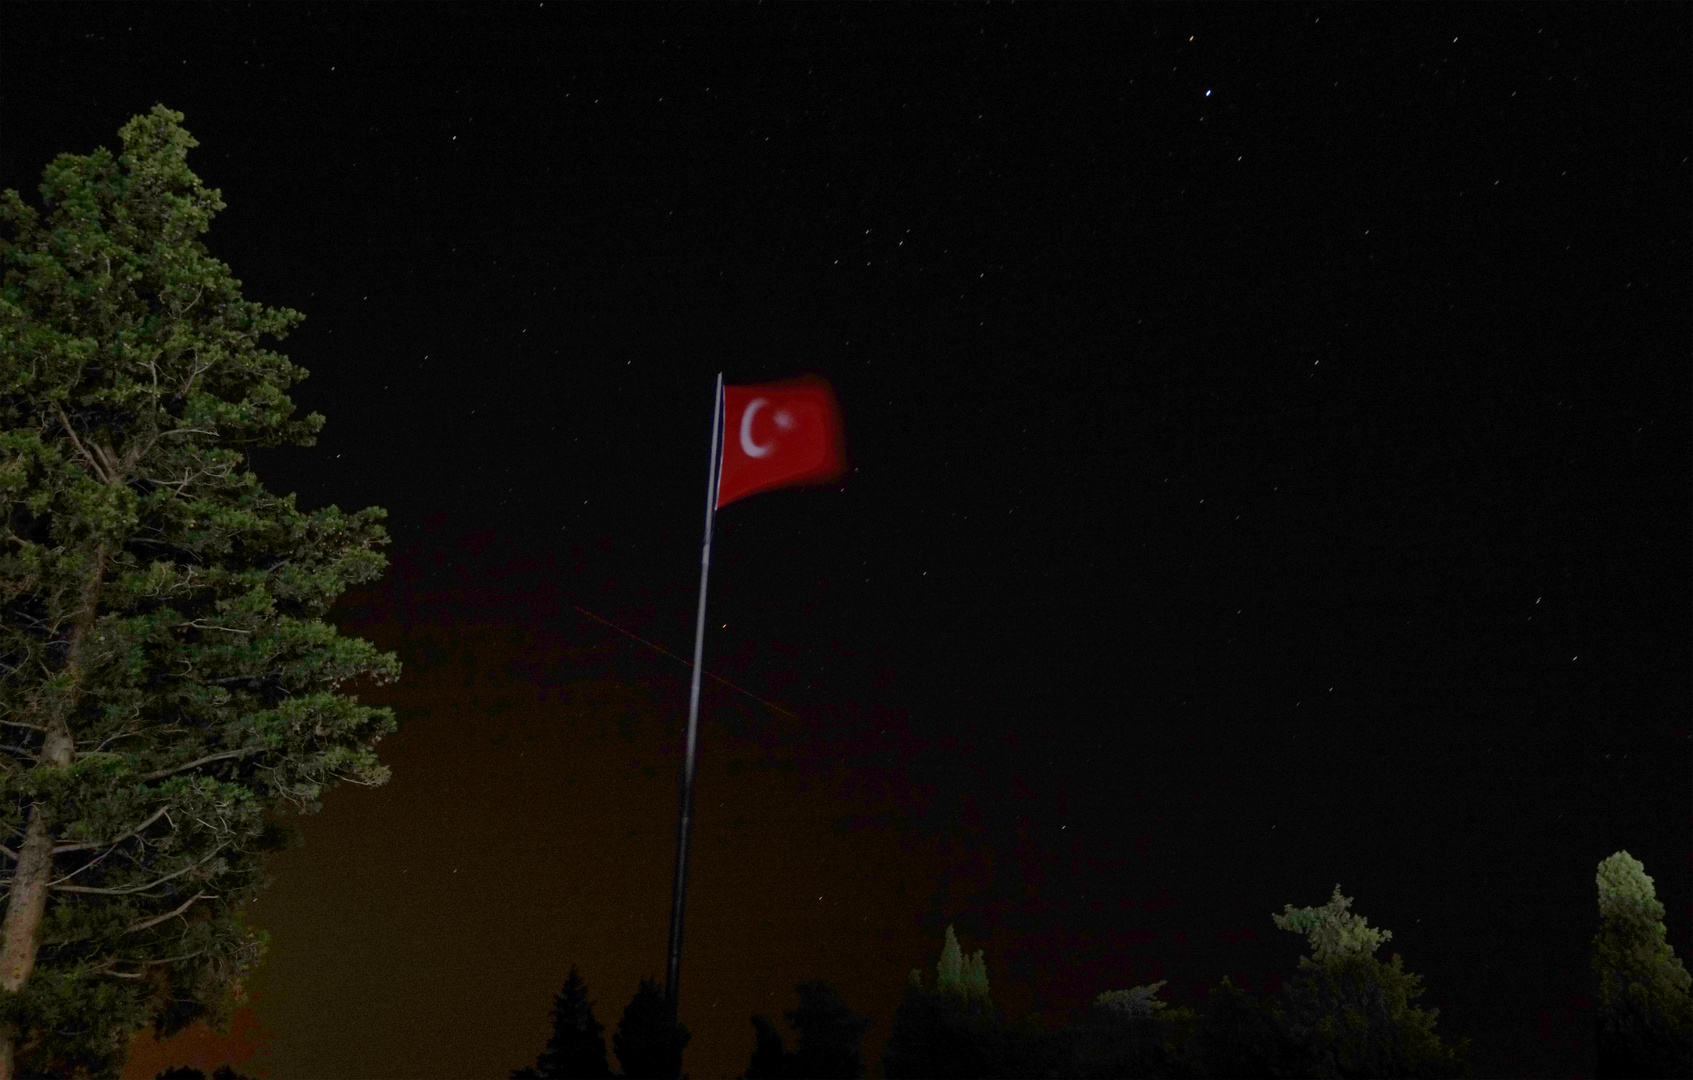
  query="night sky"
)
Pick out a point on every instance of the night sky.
point(1269, 437)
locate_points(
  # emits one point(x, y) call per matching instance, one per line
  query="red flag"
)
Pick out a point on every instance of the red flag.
point(779, 434)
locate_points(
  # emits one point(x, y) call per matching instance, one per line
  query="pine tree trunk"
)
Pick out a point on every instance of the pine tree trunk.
point(27, 897)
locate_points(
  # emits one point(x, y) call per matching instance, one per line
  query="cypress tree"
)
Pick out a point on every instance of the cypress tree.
point(1644, 1022)
point(167, 684)
point(950, 1030)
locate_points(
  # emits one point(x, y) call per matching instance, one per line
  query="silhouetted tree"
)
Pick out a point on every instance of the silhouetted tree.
point(1644, 1023)
point(828, 1033)
point(826, 1048)
point(1349, 1013)
point(1130, 1033)
point(649, 1039)
point(1238, 1037)
point(950, 1031)
point(188, 1072)
point(576, 1050)
point(770, 1060)
point(1124, 1033)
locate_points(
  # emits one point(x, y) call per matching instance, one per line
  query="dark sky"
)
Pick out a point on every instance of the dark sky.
point(1270, 468)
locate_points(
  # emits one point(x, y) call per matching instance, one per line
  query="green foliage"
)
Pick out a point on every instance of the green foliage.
point(1125, 1033)
point(1348, 1014)
point(576, 1050)
point(950, 1030)
point(961, 976)
point(156, 603)
point(827, 1045)
point(1334, 932)
point(650, 1040)
point(1645, 1015)
point(1140, 1001)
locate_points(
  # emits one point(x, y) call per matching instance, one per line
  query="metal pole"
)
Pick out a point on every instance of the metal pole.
point(684, 822)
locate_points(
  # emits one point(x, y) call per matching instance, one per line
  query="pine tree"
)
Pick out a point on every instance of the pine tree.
point(1349, 1013)
point(649, 1039)
point(576, 1050)
point(166, 681)
point(1644, 1025)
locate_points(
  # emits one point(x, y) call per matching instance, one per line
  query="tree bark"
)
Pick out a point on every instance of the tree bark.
point(27, 898)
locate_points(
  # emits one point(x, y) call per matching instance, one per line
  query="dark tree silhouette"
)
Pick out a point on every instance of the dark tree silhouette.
point(935, 1035)
point(827, 1043)
point(1236, 1036)
point(189, 1072)
point(770, 1060)
point(1128, 1033)
point(828, 1034)
point(1351, 1017)
point(576, 1050)
point(649, 1039)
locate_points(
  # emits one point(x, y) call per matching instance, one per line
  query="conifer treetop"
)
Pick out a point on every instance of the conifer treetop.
point(1633, 942)
point(960, 975)
point(1335, 933)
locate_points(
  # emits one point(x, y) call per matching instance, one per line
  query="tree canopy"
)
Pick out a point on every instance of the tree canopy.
point(1645, 1014)
point(1348, 1014)
point(167, 684)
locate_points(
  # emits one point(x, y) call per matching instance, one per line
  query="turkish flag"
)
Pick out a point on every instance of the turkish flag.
point(779, 434)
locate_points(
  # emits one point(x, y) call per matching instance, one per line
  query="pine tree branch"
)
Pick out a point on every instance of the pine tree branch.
point(129, 888)
point(105, 968)
point(112, 843)
point(213, 757)
point(99, 466)
point(208, 626)
point(146, 924)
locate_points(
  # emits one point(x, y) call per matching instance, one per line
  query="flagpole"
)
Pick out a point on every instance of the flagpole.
point(684, 821)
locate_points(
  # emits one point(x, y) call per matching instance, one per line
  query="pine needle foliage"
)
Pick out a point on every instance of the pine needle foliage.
point(1645, 1016)
point(1349, 1014)
point(167, 684)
